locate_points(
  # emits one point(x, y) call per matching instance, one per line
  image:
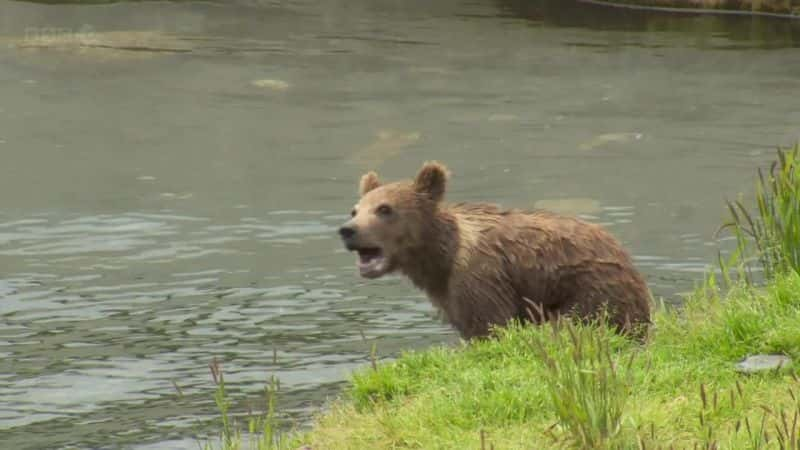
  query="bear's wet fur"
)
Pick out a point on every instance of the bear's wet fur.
point(483, 266)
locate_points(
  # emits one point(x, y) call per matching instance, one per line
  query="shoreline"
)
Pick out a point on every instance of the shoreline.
point(780, 9)
point(681, 390)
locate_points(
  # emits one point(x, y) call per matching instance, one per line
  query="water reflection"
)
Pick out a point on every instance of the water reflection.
point(708, 30)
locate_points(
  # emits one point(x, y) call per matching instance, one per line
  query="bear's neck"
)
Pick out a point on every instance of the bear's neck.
point(429, 264)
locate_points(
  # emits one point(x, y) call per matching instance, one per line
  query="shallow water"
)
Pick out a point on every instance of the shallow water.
point(173, 175)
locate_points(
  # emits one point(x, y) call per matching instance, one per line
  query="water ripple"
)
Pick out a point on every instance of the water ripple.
point(109, 310)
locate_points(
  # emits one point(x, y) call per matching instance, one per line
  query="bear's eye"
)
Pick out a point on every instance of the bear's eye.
point(384, 210)
point(353, 213)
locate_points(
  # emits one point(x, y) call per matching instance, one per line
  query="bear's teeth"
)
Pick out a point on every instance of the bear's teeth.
point(372, 266)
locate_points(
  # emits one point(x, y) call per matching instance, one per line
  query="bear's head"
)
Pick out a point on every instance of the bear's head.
point(390, 219)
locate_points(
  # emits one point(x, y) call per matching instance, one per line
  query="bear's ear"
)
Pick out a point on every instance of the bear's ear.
point(369, 181)
point(432, 180)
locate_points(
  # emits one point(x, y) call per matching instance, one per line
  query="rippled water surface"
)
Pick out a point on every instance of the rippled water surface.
point(172, 176)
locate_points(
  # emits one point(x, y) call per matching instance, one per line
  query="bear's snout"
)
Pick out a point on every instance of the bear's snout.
point(347, 232)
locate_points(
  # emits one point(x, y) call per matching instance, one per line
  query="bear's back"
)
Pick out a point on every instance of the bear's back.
point(510, 259)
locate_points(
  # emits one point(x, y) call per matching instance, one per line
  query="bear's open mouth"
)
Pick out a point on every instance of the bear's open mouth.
point(371, 262)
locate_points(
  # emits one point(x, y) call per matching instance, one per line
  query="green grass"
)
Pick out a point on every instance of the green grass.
point(582, 386)
point(769, 235)
point(588, 389)
point(262, 429)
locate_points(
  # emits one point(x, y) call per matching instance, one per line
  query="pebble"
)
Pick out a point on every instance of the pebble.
point(763, 363)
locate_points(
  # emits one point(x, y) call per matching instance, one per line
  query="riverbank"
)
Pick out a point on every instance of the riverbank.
point(789, 7)
point(681, 390)
point(768, 6)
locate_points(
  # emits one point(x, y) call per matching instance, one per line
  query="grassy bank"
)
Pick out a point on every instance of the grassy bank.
point(583, 386)
point(524, 391)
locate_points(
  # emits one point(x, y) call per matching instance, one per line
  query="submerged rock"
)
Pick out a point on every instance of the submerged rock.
point(277, 85)
point(763, 363)
point(387, 144)
point(99, 44)
point(604, 140)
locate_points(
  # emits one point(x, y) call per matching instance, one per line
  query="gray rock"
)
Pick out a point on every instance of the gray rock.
point(763, 363)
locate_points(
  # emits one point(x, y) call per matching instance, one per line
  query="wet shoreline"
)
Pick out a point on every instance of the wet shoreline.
point(780, 9)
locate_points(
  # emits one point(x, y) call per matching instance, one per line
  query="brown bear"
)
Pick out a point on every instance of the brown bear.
point(483, 266)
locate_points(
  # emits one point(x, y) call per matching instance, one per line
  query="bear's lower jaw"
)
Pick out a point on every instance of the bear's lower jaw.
point(372, 263)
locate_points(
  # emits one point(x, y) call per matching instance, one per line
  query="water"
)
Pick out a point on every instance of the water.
point(173, 173)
